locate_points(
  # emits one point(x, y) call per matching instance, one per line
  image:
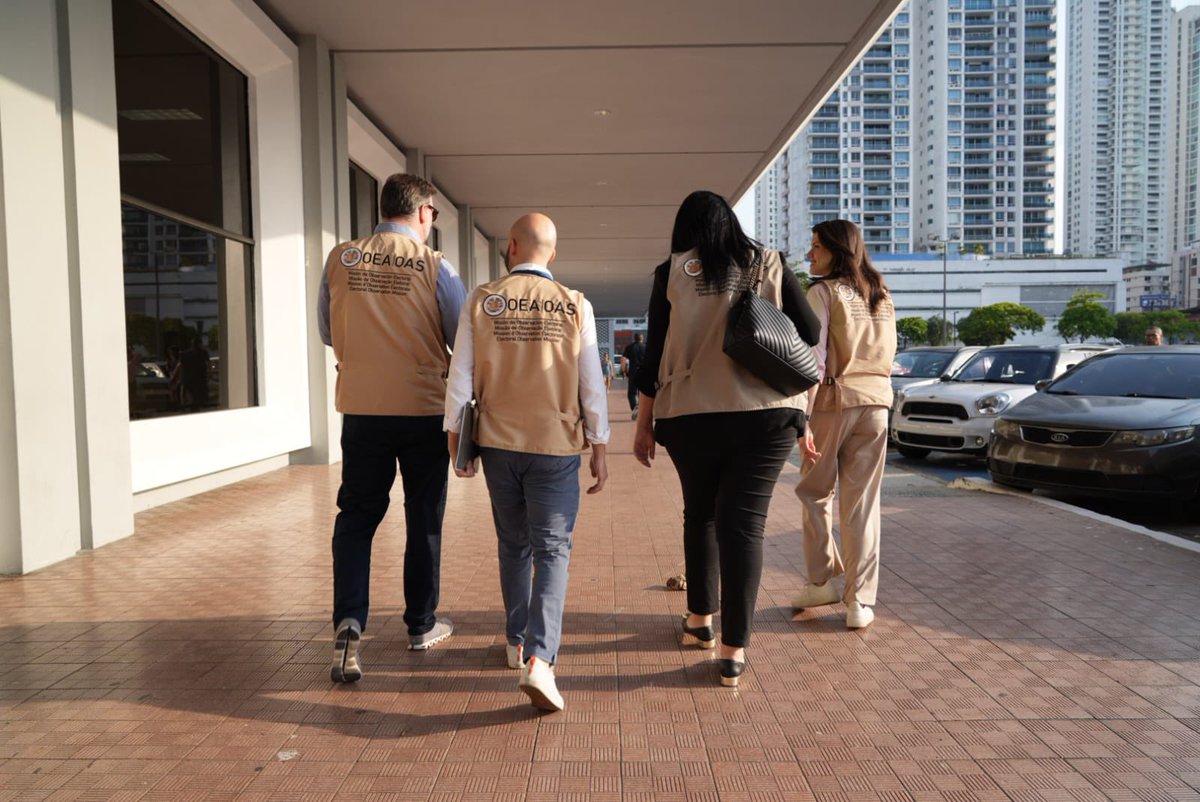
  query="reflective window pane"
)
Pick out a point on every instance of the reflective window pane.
point(181, 120)
point(188, 317)
point(364, 202)
point(183, 136)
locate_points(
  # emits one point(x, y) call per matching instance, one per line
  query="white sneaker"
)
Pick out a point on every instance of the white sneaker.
point(537, 681)
point(514, 655)
point(858, 615)
point(816, 596)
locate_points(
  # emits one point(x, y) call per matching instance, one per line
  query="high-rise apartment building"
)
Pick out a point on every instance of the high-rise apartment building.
point(1184, 147)
point(1116, 147)
point(944, 129)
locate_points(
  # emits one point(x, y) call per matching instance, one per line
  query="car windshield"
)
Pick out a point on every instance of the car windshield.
point(1146, 375)
point(1007, 367)
point(921, 364)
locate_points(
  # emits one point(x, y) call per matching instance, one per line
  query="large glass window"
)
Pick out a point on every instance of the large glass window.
point(364, 202)
point(183, 137)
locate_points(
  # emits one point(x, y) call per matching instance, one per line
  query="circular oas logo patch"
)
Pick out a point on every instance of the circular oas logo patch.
point(847, 292)
point(494, 305)
point(693, 268)
point(351, 257)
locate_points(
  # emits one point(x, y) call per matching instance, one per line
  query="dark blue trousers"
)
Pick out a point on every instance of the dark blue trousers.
point(372, 447)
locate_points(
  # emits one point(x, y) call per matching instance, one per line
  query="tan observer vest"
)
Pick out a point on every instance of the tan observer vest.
point(860, 348)
point(527, 341)
point(386, 327)
point(695, 375)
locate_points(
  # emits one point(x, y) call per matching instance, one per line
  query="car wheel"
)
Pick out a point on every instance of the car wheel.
point(910, 452)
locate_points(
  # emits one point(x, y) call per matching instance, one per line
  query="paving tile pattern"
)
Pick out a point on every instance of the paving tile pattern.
point(1020, 653)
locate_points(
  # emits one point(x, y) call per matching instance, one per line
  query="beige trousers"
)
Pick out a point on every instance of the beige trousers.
point(853, 446)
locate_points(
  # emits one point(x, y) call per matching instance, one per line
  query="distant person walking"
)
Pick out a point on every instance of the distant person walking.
point(727, 431)
point(631, 360)
point(606, 369)
point(847, 439)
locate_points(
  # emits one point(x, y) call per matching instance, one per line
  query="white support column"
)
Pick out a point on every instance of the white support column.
point(326, 188)
point(415, 158)
point(495, 262)
point(39, 479)
point(93, 187)
point(466, 246)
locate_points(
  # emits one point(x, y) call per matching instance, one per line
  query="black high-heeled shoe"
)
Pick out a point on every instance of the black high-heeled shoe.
point(704, 637)
point(731, 671)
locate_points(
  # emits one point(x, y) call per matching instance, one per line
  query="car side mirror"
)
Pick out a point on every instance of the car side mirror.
point(1041, 384)
point(945, 377)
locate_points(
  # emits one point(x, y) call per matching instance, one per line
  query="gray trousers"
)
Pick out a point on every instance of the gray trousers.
point(535, 501)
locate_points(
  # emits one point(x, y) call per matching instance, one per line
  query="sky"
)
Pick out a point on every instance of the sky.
point(1185, 3)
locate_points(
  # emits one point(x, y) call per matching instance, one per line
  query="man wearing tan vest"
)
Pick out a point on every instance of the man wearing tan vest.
point(389, 306)
point(527, 354)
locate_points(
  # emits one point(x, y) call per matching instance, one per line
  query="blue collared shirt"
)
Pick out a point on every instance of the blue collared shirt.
point(450, 291)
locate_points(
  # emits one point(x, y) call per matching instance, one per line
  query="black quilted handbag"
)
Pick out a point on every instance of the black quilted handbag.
point(762, 339)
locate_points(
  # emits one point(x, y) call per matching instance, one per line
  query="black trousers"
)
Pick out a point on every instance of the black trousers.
point(372, 446)
point(632, 392)
point(728, 464)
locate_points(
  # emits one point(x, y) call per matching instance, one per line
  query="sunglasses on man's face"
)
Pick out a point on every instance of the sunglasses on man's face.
point(433, 209)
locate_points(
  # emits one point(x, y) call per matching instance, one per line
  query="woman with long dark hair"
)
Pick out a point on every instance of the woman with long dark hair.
point(727, 431)
point(846, 442)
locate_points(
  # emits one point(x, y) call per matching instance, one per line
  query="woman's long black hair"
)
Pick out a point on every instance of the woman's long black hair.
point(707, 223)
point(850, 260)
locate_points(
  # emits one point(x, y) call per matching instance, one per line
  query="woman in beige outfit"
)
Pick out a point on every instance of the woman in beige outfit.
point(846, 443)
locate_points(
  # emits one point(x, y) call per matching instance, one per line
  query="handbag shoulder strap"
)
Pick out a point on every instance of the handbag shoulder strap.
point(758, 270)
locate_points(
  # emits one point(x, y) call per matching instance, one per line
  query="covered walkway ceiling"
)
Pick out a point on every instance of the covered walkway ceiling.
point(603, 115)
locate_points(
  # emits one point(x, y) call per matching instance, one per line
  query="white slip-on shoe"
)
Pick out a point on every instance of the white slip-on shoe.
point(858, 615)
point(816, 596)
point(537, 681)
point(514, 655)
point(442, 629)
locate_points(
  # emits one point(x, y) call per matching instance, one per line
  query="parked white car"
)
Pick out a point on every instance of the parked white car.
point(957, 412)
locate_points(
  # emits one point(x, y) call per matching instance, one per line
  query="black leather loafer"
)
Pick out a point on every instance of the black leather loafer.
point(704, 637)
point(731, 671)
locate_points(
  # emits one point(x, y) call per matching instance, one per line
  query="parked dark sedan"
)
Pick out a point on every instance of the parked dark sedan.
point(1123, 423)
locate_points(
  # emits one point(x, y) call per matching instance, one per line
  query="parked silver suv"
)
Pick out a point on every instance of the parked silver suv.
point(957, 413)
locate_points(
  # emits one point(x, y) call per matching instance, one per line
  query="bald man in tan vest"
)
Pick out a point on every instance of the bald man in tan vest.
point(526, 350)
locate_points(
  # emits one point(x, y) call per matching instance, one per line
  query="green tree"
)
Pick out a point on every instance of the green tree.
point(912, 330)
point(1176, 326)
point(933, 329)
point(805, 278)
point(998, 323)
point(1086, 317)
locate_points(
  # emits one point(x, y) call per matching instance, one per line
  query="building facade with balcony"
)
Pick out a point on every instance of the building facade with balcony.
point(1148, 287)
point(1183, 184)
point(1117, 123)
point(944, 128)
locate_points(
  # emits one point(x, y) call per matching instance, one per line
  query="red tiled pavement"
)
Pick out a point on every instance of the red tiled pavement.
point(1020, 652)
